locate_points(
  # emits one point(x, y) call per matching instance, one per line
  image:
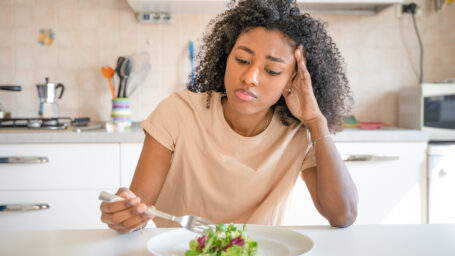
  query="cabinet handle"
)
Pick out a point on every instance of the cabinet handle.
point(363, 158)
point(24, 160)
point(23, 207)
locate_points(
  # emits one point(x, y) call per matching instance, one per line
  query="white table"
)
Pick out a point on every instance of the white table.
point(368, 240)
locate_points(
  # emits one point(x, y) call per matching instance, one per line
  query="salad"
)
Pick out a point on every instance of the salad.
point(224, 240)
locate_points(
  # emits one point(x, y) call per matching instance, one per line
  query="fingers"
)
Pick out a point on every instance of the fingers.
point(302, 71)
point(120, 216)
point(112, 207)
point(130, 200)
point(125, 193)
point(126, 215)
point(138, 222)
point(131, 224)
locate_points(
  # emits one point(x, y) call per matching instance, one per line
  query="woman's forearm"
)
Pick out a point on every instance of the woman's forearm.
point(336, 191)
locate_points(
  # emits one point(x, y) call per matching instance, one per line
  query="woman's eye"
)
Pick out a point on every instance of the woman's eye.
point(242, 61)
point(273, 73)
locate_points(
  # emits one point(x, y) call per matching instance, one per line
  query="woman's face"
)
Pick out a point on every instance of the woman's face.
point(258, 68)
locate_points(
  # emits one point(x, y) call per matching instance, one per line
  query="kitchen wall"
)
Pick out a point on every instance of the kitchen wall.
point(381, 53)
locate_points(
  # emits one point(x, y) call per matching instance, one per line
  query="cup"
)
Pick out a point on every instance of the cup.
point(121, 114)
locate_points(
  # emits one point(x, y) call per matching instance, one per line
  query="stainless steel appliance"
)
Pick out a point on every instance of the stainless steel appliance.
point(429, 107)
point(47, 95)
point(441, 183)
point(44, 123)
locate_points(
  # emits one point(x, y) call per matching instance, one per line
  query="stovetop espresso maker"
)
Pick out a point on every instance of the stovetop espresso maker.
point(47, 94)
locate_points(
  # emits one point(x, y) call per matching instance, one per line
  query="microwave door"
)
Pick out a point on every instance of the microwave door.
point(439, 112)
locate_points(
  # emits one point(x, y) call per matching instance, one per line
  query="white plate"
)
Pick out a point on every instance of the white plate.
point(271, 241)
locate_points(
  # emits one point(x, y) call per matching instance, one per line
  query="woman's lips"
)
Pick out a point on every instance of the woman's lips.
point(245, 95)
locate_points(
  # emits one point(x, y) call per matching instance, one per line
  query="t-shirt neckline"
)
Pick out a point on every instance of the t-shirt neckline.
point(231, 132)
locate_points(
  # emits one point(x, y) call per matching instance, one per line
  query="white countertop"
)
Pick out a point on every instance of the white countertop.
point(357, 240)
point(136, 134)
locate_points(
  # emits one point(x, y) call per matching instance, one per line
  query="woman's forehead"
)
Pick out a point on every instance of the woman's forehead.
point(263, 39)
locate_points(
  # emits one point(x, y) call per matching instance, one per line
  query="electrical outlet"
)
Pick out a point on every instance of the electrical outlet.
point(155, 18)
point(403, 11)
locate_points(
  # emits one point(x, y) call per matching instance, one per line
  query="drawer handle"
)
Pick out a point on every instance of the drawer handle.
point(24, 160)
point(23, 207)
point(364, 158)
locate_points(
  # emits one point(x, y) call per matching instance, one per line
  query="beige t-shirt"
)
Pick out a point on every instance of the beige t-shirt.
point(220, 175)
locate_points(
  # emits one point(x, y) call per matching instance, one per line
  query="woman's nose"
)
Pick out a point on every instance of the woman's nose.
point(251, 76)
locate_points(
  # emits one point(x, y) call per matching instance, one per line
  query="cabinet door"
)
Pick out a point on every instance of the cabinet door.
point(390, 191)
point(70, 166)
point(129, 153)
point(69, 209)
point(442, 189)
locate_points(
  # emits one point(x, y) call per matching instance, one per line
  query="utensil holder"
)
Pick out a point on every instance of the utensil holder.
point(121, 114)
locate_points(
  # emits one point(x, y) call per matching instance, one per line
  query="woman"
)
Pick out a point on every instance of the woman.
point(269, 89)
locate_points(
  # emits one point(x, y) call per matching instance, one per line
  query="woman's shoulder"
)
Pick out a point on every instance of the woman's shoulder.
point(194, 100)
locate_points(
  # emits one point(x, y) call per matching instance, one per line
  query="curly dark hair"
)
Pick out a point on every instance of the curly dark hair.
point(324, 61)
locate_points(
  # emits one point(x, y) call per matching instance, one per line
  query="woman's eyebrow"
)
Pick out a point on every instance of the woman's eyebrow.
point(275, 59)
point(248, 50)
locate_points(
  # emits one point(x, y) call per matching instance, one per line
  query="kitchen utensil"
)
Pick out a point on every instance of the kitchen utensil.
point(120, 61)
point(89, 128)
point(109, 72)
point(140, 67)
point(190, 222)
point(193, 76)
point(47, 96)
point(16, 88)
point(125, 70)
point(80, 121)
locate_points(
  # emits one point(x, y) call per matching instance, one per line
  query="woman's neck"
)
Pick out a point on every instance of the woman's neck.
point(246, 125)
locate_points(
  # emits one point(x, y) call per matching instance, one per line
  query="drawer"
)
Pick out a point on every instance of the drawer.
point(390, 179)
point(68, 210)
point(69, 166)
point(392, 188)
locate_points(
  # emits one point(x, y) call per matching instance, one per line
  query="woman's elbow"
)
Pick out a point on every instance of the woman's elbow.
point(344, 220)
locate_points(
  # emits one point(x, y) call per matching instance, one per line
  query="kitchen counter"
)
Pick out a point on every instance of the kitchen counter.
point(357, 240)
point(100, 135)
point(26, 136)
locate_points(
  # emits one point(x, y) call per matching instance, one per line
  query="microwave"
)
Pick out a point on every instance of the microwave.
point(429, 107)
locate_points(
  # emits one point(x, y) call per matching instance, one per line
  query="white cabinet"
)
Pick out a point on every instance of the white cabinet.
point(390, 191)
point(441, 175)
point(69, 183)
point(129, 153)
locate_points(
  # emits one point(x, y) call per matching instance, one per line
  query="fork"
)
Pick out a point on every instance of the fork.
point(192, 223)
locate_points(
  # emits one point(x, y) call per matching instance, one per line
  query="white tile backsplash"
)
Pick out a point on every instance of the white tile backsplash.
point(381, 53)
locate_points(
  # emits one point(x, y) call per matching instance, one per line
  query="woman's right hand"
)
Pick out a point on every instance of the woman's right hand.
point(127, 215)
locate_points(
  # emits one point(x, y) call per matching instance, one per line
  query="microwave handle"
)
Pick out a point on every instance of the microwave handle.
point(366, 158)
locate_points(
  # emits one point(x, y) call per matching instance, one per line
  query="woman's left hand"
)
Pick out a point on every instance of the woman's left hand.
point(299, 94)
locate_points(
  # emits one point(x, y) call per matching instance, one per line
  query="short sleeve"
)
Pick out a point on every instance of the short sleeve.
point(309, 159)
point(165, 122)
